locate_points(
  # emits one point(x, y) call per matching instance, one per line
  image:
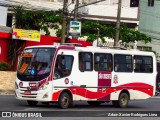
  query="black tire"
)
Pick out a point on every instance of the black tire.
point(32, 103)
point(123, 100)
point(94, 103)
point(65, 100)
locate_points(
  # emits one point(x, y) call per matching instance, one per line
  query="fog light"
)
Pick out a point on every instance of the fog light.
point(46, 95)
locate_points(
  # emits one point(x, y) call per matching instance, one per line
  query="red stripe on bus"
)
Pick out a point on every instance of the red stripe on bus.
point(145, 88)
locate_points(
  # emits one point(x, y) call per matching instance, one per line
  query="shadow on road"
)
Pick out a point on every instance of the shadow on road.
point(79, 106)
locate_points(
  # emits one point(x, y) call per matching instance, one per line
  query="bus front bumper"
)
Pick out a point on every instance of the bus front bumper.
point(40, 95)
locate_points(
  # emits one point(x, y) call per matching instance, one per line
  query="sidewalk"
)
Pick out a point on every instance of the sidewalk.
point(7, 82)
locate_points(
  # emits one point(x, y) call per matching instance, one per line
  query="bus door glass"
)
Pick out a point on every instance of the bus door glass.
point(63, 66)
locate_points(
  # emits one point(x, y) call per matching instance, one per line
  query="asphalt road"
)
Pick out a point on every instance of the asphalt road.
point(81, 109)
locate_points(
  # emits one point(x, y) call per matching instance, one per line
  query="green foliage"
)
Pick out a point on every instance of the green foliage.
point(127, 35)
point(44, 20)
point(58, 32)
point(4, 66)
point(14, 47)
point(36, 20)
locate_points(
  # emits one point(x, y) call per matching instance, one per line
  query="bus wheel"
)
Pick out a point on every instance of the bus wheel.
point(32, 103)
point(94, 103)
point(65, 100)
point(123, 100)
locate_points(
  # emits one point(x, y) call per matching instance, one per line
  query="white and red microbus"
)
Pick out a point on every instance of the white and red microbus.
point(65, 74)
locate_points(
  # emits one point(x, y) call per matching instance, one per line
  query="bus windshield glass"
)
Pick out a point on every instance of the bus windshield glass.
point(35, 64)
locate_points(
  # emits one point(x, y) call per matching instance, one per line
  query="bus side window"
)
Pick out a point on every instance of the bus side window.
point(123, 63)
point(63, 66)
point(85, 61)
point(81, 66)
point(103, 62)
point(143, 64)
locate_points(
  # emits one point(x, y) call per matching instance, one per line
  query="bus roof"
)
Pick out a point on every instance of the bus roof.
point(98, 49)
point(111, 50)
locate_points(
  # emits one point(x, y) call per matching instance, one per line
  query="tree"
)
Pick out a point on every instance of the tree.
point(43, 20)
point(36, 20)
point(31, 20)
point(126, 34)
point(40, 19)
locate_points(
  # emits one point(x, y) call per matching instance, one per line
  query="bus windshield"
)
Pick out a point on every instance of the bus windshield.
point(35, 64)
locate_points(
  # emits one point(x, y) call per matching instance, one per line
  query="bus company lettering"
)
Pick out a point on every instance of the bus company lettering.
point(104, 76)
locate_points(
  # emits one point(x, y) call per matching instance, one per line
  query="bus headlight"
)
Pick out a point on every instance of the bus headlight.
point(44, 86)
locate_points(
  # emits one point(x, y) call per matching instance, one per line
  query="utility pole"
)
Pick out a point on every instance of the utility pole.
point(76, 10)
point(97, 37)
point(118, 24)
point(64, 21)
point(76, 16)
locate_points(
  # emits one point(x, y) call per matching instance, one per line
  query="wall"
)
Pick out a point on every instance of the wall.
point(4, 44)
point(45, 40)
point(149, 22)
point(48, 40)
point(3, 15)
point(7, 81)
point(5, 39)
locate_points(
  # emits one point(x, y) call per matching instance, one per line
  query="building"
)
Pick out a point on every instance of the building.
point(107, 10)
point(149, 23)
point(104, 12)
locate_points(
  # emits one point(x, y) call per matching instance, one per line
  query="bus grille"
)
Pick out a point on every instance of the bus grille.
point(32, 95)
point(29, 96)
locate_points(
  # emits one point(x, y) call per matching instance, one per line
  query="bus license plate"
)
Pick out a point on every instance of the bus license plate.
point(27, 92)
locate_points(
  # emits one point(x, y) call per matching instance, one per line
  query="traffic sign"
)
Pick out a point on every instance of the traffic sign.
point(75, 27)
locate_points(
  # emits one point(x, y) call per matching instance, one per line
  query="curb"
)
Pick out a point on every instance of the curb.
point(7, 92)
point(155, 97)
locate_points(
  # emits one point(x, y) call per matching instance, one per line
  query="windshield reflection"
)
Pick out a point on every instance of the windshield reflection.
point(35, 63)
